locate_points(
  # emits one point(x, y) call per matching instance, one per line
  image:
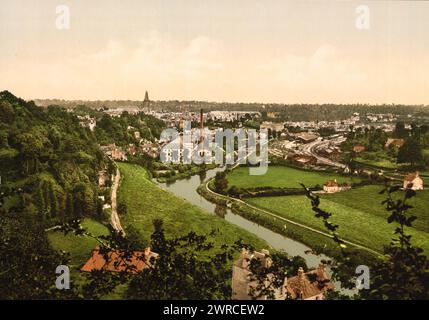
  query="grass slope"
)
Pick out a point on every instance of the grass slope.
point(282, 177)
point(80, 248)
point(146, 202)
point(359, 219)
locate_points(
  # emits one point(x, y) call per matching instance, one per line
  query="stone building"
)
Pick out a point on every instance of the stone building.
point(241, 283)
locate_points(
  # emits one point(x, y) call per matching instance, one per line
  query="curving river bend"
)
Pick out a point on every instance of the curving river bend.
point(187, 189)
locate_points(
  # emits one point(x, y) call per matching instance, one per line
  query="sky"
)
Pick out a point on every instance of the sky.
point(237, 51)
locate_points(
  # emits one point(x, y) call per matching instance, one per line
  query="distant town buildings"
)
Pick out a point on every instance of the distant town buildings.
point(114, 152)
point(273, 126)
point(302, 159)
point(305, 137)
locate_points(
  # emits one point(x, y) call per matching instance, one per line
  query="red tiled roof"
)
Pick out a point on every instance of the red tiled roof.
point(116, 262)
point(301, 287)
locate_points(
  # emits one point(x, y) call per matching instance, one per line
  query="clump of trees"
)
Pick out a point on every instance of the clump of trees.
point(51, 157)
point(220, 182)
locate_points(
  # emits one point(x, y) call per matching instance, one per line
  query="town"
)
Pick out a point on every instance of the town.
point(205, 157)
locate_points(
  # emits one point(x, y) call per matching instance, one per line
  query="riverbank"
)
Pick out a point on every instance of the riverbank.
point(143, 199)
point(319, 241)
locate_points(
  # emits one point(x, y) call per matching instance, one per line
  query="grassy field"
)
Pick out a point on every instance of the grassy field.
point(382, 164)
point(80, 248)
point(283, 177)
point(146, 202)
point(358, 213)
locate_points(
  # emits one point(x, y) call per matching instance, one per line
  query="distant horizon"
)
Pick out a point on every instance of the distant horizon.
point(233, 102)
point(277, 52)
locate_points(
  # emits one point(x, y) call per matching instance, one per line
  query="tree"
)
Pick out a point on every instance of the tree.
point(220, 182)
point(410, 152)
point(400, 132)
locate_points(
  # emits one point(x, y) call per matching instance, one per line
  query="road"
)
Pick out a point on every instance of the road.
point(115, 222)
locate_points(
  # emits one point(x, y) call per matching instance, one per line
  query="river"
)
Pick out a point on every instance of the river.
point(187, 189)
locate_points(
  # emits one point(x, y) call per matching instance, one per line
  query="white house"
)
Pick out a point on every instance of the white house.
point(413, 180)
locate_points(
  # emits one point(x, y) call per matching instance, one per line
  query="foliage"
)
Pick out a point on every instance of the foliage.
point(403, 273)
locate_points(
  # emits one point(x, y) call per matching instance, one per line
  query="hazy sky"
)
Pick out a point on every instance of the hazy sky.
point(248, 50)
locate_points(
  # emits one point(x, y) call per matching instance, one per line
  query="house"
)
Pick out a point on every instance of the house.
point(334, 186)
point(273, 126)
point(306, 137)
point(87, 122)
point(306, 286)
point(395, 142)
point(303, 159)
point(132, 149)
point(150, 149)
point(358, 149)
point(114, 152)
point(116, 262)
point(413, 181)
point(309, 286)
point(241, 282)
point(332, 153)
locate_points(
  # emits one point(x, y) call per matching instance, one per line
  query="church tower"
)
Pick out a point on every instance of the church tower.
point(146, 101)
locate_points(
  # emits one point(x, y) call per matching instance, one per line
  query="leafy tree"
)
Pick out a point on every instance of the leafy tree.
point(220, 182)
point(410, 152)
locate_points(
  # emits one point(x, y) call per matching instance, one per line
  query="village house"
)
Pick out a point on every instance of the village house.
point(358, 149)
point(304, 286)
point(150, 149)
point(309, 286)
point(241, 282)
point(413, 181)
point(114, 152)
point(395, 142)
point(87, 122)
point(334, 186)
point(116, 262)
point(302, 159)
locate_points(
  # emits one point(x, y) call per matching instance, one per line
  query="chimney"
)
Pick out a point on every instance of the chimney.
point(201, 119)
point(300, 272)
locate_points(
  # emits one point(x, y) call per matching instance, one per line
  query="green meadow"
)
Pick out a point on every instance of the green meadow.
point(146, 201)
point(283, 177)
point(359, 213)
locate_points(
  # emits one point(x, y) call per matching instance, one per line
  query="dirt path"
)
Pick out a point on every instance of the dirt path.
point(115, 222)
